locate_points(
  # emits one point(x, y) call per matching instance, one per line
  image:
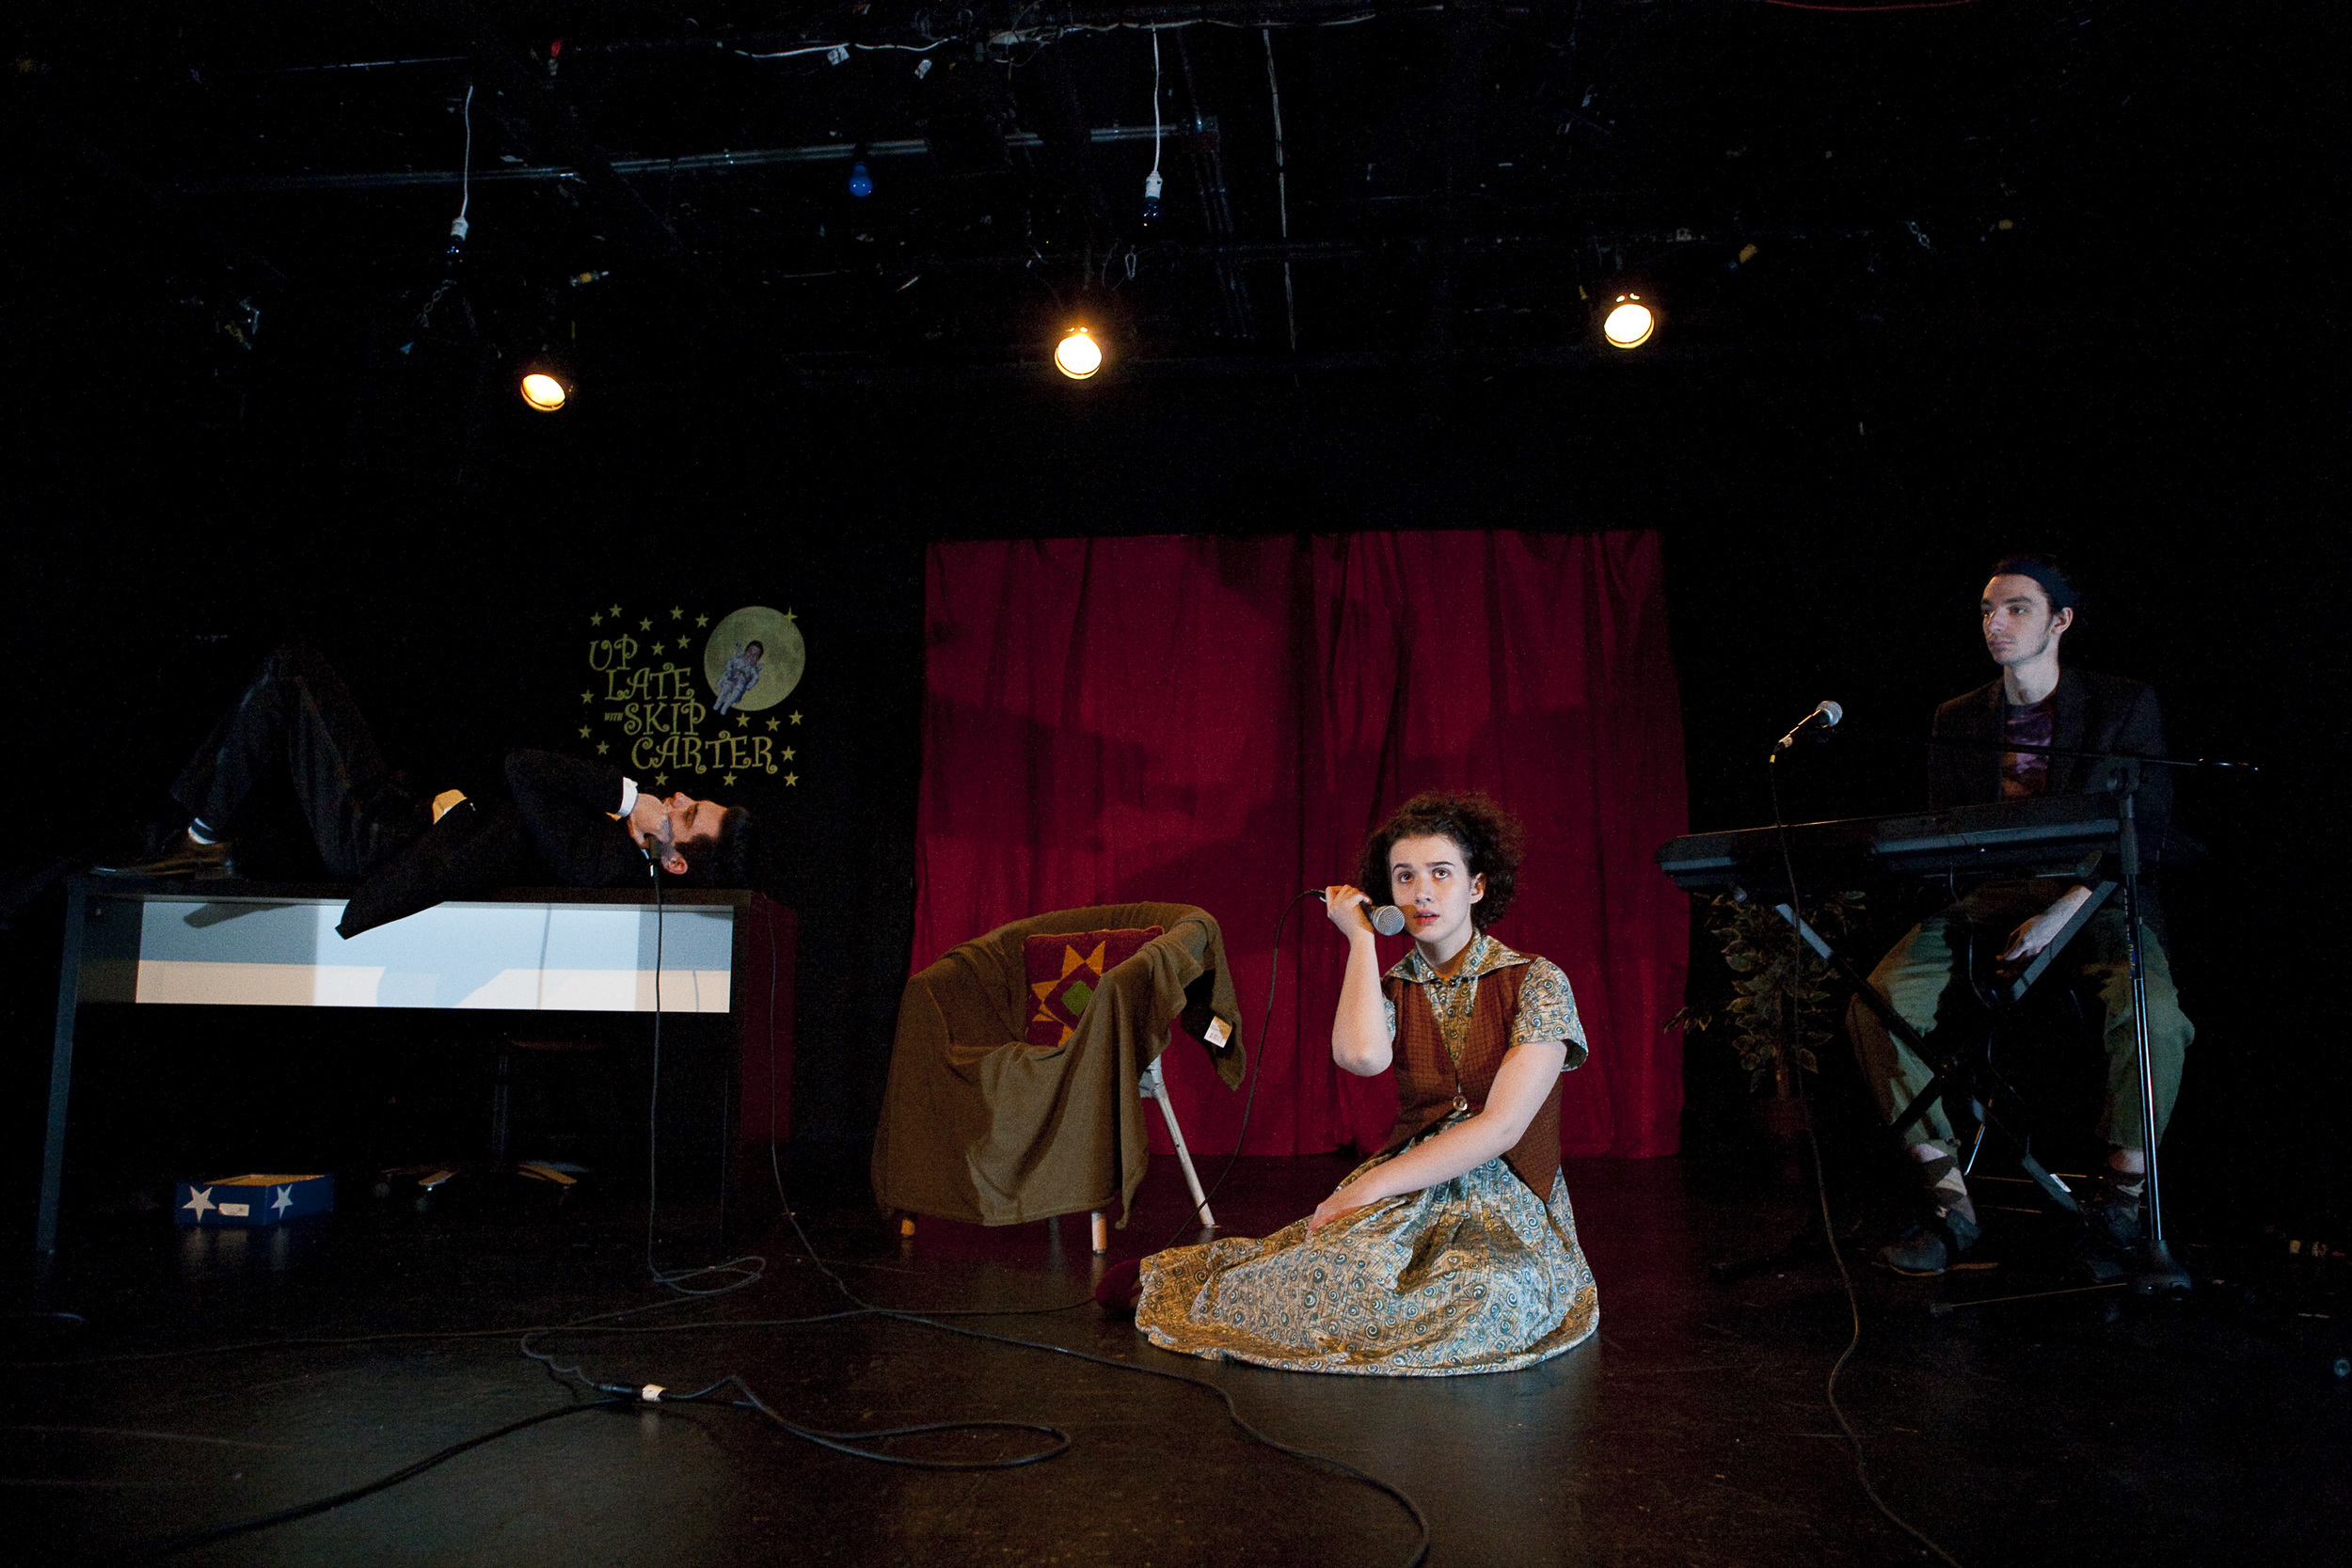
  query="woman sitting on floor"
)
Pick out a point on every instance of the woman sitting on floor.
point(1454, 1249)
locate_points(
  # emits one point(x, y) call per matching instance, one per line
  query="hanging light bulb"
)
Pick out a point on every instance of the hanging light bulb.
point(1078, 356)
point(861, 178)
point(543, 388)
point(1630, 321)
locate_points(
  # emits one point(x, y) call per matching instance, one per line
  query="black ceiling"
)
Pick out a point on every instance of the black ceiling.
point(656, 195)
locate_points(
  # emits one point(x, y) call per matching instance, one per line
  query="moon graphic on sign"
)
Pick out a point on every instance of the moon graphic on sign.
point(754, 660)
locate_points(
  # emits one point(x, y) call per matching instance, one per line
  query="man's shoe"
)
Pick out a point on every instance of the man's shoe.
point(2111, 1209)
point(1932, 1246)
point(184, 857)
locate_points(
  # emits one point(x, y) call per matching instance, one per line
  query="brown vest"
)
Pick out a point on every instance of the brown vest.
point(1424, 1071)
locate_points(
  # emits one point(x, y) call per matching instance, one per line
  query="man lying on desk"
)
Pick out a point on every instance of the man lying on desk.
point(580, 822)
point(2028, 607)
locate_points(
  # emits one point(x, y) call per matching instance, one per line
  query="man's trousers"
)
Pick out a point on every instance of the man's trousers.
point(297, 716)
point(1922, 976)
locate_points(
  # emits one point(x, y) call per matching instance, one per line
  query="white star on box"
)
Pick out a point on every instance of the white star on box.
point(200, 1201)
point(283, 1201)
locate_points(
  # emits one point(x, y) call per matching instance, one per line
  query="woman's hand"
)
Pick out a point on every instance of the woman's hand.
point(1345, 1201)
point(1346, 906)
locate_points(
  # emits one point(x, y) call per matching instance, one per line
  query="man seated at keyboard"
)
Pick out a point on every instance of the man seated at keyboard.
point(2028, 606)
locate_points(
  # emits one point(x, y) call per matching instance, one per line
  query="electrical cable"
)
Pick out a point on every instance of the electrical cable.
point(1155, 105)
point(1282, 186)
point(1820, 1181)
point(746, 1268)
point(169, 1545)
point(1232, 1410)
point(465, 168)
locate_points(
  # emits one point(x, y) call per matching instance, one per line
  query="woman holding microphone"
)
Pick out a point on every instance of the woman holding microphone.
point(1454, 1250)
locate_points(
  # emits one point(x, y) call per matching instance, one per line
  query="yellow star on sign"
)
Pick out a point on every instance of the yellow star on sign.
point(677, 615)
point(587, 696)
point(795, 718)
point(772, 723)
point(787, 753)
point(616, 612)
point(602, 748)
point(662, 778)
point(596, 618)
point(584, 731)
point(702, 620)
point(656, 647)
point(728, 779)
point(741, 719)
point(789, 616)
point(645, 624)
point(792, 778)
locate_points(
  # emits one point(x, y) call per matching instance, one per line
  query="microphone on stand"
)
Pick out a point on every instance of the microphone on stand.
point(1824, 716)
point(1386, 919)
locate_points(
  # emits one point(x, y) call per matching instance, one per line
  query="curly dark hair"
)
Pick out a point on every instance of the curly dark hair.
point(1490, 837)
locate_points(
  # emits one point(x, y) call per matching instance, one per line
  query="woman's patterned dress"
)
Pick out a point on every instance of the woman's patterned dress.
point(1478, 1274)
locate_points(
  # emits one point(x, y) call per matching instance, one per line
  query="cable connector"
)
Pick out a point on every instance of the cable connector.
point(1151, 199)
point(650, 1393)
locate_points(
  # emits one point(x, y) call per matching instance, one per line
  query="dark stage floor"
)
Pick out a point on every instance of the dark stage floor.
point(1692, 1431)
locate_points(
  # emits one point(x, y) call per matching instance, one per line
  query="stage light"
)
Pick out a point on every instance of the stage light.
point(1630, 322)
point(544, 393)
point(1078, 356)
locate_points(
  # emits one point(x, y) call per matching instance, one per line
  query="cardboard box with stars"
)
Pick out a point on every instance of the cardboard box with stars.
point(254, 1201)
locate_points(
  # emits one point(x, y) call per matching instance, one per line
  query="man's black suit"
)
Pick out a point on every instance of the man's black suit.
point(2090, 713)
point(1921, 977)
point(558, 823)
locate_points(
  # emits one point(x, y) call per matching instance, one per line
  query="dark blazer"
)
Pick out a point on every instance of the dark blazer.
point(2094, 713)
point(557, 826)
point(566, 805)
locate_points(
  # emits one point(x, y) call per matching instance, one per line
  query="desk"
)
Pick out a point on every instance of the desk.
point(223, 944)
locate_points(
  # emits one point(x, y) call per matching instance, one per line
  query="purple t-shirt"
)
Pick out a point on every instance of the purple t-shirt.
point(2026, 774)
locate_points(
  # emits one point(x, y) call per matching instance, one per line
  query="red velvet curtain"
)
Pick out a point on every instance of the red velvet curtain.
point(1220, 722)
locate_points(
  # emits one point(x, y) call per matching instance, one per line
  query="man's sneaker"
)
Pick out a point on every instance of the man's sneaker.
point(1933, 1246)
point(182, 857)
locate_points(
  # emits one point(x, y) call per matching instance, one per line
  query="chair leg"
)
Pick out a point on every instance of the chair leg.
point(1099, 1231)
point(1157, 1087)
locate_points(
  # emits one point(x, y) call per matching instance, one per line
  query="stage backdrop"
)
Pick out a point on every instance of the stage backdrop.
point(1220, 721)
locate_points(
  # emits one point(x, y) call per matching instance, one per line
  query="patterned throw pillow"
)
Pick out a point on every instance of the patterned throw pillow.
point(1063, 970)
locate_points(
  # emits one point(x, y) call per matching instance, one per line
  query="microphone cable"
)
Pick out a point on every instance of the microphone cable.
point(1820, 1176)
point(738, 1271)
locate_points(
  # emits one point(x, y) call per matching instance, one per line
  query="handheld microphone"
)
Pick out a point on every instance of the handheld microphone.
point(1386, 919)
point(1823, 717)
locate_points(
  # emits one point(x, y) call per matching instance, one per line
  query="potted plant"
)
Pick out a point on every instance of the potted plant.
point(1783, 1005)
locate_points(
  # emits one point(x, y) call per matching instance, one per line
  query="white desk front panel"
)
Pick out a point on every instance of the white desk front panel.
point(551, 958)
